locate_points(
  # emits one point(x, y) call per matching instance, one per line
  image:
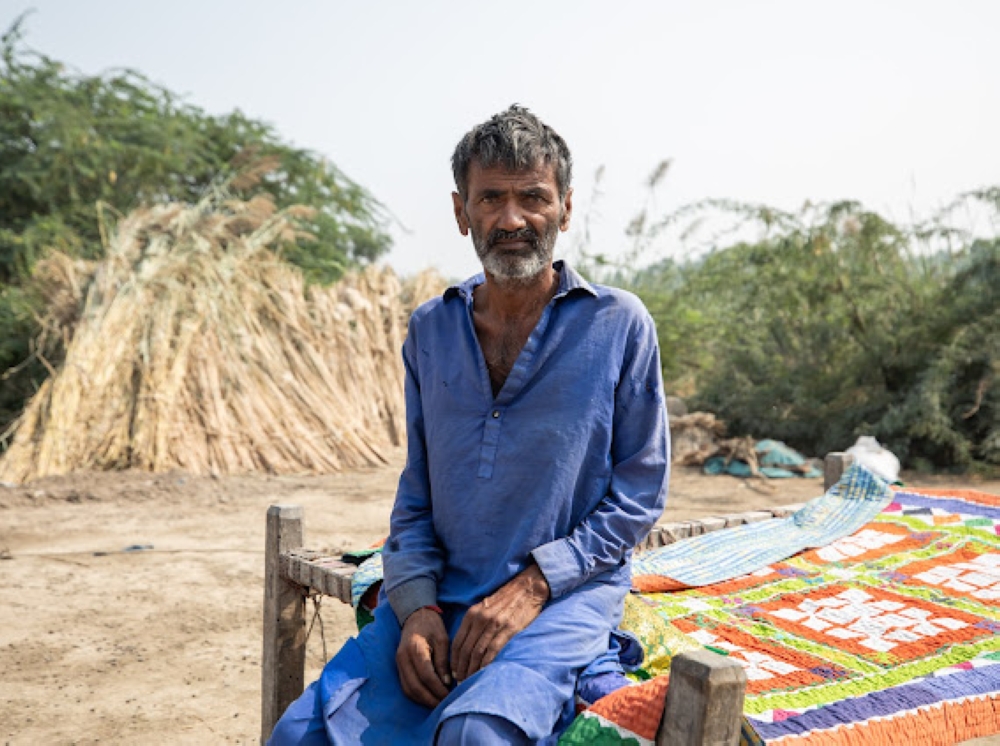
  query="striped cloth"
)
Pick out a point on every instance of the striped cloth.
point(711, 558)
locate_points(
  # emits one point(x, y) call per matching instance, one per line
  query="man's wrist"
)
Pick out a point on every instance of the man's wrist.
point(412, 595)
point(538, 586)
point(434, 611)
point(557, 563)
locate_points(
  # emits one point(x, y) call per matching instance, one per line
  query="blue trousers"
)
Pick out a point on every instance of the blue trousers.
point(529, 687)
point(302, 725)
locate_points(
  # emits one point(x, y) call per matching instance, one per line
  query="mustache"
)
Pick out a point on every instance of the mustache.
point(522, 234)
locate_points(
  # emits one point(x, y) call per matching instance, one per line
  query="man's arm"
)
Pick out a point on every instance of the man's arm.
point(640, 467)
point(640, 461)
point(489, 625)
point(422, 658)
point(412, 559)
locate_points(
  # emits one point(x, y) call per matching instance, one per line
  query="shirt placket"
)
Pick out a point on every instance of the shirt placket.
point(519, 375)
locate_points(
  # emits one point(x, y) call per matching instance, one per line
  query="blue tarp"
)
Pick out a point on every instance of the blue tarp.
point(776, 460)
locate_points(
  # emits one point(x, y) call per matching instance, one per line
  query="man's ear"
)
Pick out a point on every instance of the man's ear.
point(567, 210)
point(460, 217)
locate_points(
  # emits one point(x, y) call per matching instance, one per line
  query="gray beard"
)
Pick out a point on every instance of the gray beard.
point(520, 267)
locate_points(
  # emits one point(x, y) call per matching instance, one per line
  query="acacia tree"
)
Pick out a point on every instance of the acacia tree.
point(77, 149)
point(834, 323)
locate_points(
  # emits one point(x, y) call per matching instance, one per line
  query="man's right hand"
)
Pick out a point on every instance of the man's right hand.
point(422, 658)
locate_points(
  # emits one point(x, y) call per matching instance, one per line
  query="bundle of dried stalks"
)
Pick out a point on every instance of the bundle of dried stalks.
point(196, 348)
point(694, 438)
point(61, 281)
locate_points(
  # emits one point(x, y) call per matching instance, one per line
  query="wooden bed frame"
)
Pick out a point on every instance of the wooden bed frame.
point(704, 705)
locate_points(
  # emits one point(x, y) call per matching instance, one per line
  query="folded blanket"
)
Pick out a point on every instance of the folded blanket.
point(721, 555)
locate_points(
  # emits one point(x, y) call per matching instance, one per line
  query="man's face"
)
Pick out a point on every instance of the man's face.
point(514, 219)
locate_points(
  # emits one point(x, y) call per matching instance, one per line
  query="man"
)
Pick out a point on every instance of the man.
point(537, 458)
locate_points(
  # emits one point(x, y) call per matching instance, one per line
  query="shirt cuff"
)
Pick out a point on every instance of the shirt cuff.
point(558, 564)
point(412, 595)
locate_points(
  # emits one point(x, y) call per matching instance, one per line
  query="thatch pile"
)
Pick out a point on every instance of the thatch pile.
point(697, 437)
point(195, 347)
point(694, 438)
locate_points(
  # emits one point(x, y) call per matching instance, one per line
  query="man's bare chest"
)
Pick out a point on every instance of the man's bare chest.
point(501, 344)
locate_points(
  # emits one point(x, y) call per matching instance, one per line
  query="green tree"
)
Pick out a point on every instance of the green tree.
point(69, 143)
point(77, 149)
point(833, 323)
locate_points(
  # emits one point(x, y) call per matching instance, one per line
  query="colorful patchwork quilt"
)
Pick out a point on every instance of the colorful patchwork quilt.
point(888, 634)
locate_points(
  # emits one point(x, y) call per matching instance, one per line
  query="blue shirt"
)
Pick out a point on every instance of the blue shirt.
point(566, 466)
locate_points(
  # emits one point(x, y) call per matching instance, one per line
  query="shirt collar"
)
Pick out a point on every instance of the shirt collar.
point(569, 282)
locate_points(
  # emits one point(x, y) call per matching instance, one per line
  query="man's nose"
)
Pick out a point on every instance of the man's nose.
point(511, 217)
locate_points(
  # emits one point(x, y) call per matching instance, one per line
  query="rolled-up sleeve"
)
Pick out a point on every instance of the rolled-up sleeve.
point(640, 461)
point(412, 558)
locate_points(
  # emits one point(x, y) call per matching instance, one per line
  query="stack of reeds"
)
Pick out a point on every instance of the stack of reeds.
point(196, 347)
point(694, 438)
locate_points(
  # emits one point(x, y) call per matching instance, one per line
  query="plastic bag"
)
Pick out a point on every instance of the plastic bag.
point(879, 460)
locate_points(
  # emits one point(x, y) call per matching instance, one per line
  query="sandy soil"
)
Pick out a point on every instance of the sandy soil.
point(161, 644)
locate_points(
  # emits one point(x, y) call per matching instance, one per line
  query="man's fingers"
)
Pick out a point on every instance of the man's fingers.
point(431, 681)
point(456, 647)
point(489, 625)
point(420, 681)
point(435, 649)
point(482, 635)
point(421, 694)
point(412, 686)
point(477, 625)
point(482, 648)
point(498, 644)
point(439, 657)
point(422, 652)
point(460, 648)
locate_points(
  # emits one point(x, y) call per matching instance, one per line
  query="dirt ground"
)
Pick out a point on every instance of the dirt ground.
point(130, 604)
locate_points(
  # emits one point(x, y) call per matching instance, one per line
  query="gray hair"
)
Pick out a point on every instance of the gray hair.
point(515, 140)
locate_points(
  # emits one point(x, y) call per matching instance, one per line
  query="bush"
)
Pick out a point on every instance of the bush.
point(838, 323)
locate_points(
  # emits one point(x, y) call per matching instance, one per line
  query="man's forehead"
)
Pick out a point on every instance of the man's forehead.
point(539, 173)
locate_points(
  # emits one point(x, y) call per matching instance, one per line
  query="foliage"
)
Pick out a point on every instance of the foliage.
point(70, 143)
point(833, 323)
point(77, 151)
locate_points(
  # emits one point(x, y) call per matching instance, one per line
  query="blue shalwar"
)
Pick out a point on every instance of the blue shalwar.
point(566, 467)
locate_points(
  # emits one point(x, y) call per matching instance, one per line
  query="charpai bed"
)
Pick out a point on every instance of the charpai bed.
point(864, 617)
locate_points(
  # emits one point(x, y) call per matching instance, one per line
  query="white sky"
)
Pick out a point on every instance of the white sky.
point(896, 104)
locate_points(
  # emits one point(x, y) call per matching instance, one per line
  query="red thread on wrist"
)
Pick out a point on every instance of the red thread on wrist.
point(432, 607)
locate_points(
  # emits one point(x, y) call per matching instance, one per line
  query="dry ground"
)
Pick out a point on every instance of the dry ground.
point(161, 645)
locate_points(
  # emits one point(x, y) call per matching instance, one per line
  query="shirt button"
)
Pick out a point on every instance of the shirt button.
point(496, 414)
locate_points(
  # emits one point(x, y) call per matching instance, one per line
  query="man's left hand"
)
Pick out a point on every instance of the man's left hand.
point(490, 624)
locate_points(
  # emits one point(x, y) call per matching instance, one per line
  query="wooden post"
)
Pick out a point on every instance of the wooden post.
point(704, 701)
point(834, 466)
point(283, 663)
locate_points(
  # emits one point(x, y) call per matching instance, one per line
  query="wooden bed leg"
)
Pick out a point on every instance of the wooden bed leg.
point(704, 701)
point(283, 663)
point(834, 466)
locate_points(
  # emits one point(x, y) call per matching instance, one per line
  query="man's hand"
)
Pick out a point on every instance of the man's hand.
point(490, 624)
point(422, 658)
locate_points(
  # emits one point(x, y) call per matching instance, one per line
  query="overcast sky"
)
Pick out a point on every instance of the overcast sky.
point(896, 104)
